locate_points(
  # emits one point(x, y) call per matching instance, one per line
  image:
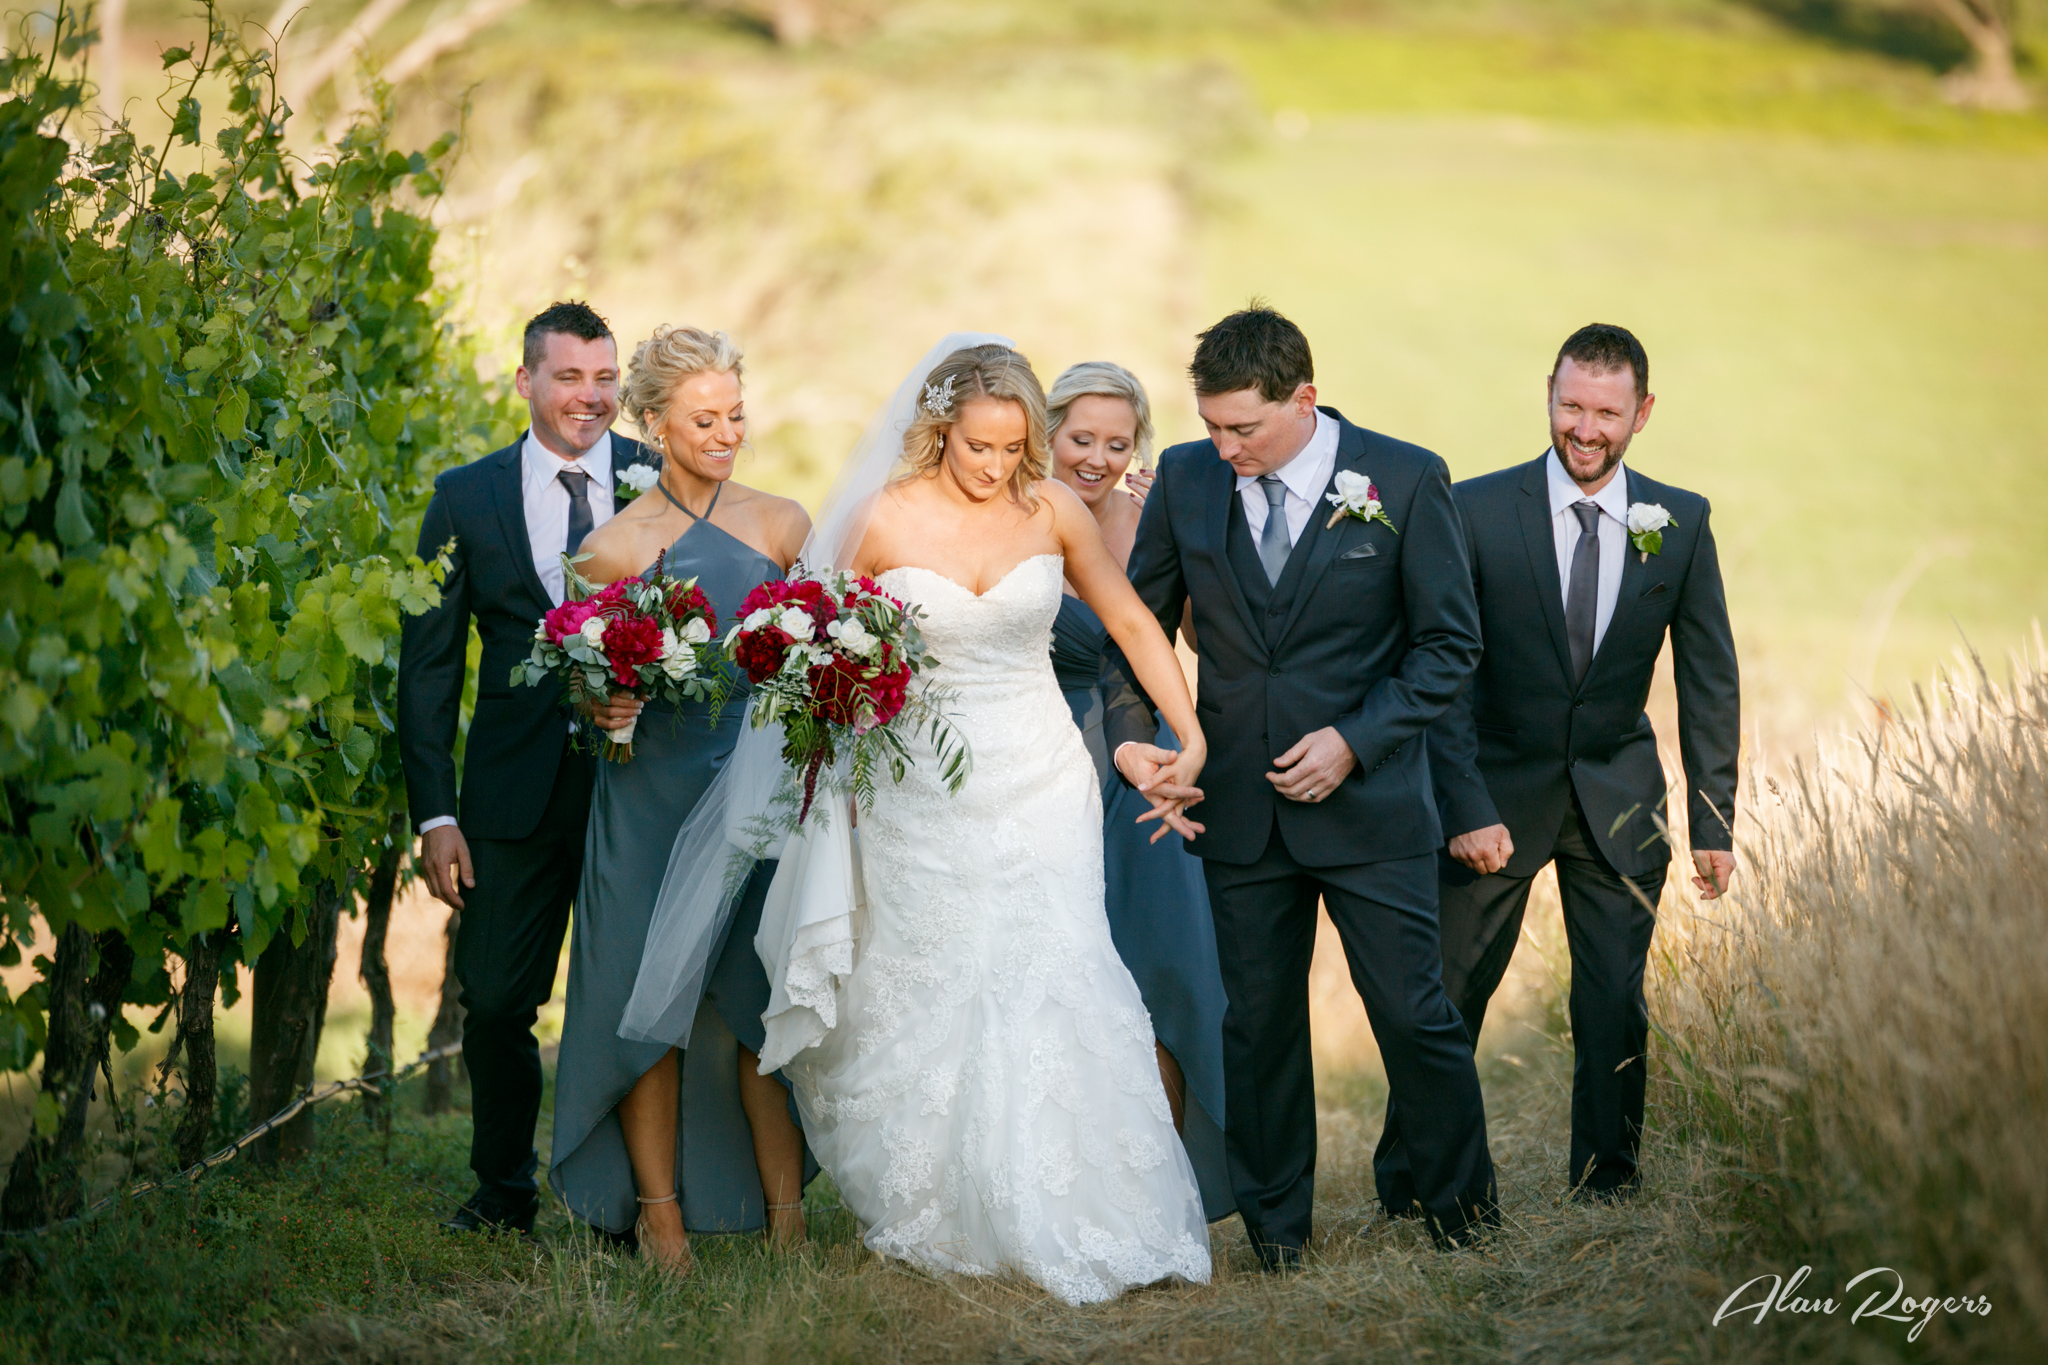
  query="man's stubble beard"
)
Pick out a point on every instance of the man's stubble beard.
point(1562, 445)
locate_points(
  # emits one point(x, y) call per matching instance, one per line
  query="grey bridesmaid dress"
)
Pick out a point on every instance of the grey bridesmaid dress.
point(1158, 910)
point(635, 813)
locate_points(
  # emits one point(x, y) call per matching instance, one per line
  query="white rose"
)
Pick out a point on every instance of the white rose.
point(678, 660)
point(1353, 488)
point(593, 632)
point(1645, 517)
point(695, 631)
point(639, 477)
point(852, 634)
point(758, 620)
point(796, 623)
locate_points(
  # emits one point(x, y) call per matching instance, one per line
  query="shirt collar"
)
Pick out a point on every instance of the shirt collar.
point(542, 464)
point(1309, 472)
point(1612, 499)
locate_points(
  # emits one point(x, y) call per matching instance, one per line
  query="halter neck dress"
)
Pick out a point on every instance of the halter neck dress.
point(635, 813)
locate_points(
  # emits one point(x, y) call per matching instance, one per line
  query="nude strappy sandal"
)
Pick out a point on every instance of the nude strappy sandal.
point(685, 1263)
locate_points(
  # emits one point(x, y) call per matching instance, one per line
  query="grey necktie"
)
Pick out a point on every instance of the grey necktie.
point(578, 484)
point(1582, 598)
point(1274, 547)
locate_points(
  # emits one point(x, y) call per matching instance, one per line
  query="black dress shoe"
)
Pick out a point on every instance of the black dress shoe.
point(484, 1215)
point(1613, 1194)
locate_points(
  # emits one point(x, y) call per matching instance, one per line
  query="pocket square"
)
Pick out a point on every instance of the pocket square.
point(1366, 551)
point(1654, 589)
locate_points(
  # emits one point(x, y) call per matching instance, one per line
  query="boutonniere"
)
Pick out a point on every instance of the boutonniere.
point(1357, 497)
point(636, 479)
point(1646, 523)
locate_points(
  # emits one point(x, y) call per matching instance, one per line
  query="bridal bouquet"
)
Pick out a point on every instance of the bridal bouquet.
point(648, 636)
point(831, 657)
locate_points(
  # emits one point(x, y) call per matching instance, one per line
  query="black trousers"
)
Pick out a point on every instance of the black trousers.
point(1385, 913)
point(506, 952)
point(1608, 921)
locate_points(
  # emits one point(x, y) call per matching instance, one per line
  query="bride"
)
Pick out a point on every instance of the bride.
point(974, 1064)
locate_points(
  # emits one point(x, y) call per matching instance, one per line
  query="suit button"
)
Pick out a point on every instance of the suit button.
point(1273, 611)
point(1578, 706)
point(1274, 671)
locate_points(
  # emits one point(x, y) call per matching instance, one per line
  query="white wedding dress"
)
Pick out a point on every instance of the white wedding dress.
point(982, 1084)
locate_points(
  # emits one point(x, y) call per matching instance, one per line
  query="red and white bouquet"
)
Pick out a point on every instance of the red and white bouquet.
point(832, 657)
point(648, 636)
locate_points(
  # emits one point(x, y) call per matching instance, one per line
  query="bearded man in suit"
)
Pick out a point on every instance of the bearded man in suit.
point(1582, 567)
point(505, 848)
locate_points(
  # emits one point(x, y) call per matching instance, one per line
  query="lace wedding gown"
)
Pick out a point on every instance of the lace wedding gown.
point(988, 1100)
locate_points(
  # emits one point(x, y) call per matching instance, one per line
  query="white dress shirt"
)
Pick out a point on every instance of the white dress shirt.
point(1307, 477)
point(546, 500)
point(1612, 500)
point(547, 503)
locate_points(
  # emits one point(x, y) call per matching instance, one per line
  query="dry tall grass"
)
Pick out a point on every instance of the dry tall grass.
point(1866, 1024)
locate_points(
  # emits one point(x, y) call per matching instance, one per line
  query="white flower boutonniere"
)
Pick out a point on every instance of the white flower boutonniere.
point(1646, 523)
point(636, 479)
point(1357, 496)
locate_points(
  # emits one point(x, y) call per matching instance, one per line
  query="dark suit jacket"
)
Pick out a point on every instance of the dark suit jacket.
point(1378, 638)
point(1522, 738)
point(517, 734)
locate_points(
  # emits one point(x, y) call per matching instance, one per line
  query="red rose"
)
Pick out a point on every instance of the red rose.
point(682, 603)
point(760, 652)
point(631, 641)
point(839, 692)
point(890, 691)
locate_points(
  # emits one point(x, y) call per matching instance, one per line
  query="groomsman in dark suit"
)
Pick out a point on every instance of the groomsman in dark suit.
point(1329, 638)
point(1582, 566)
point(508, 849)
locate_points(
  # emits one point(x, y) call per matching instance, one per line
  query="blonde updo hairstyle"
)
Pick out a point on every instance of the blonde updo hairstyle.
point(1101, 379)
point(980, 372)
point(664, 361)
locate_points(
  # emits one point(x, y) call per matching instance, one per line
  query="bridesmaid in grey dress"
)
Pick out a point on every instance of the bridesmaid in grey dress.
point(644, 1139)
point(1157, 901)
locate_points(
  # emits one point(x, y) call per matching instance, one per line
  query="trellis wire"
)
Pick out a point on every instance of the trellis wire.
point(377, 1081)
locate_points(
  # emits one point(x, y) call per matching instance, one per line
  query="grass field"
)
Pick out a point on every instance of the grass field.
point(1843, 283)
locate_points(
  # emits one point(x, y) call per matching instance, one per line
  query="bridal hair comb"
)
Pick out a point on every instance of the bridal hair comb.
point(937, 401)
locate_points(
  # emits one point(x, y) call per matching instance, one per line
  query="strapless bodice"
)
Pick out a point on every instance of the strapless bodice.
point(992, 642)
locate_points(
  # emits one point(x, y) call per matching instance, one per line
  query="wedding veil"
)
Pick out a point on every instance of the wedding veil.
point(807, 927)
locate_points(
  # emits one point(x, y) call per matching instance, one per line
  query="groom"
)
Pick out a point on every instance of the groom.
point(1548, 755)
point(508, 852)
point(1328, 642)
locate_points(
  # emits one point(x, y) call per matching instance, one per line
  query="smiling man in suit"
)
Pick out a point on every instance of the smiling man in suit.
point(507, 851)
point(1548, 755)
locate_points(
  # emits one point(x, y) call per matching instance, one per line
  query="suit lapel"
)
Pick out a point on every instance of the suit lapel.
point(507, 491)
point(1220, 490)
point(1322, 547)
point(1533, 510)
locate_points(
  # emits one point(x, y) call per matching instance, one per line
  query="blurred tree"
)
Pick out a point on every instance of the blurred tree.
point(1991, 80)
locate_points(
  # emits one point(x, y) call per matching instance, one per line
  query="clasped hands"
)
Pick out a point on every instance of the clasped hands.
point(1316, 766)
point(1166, 778)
